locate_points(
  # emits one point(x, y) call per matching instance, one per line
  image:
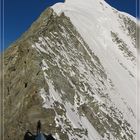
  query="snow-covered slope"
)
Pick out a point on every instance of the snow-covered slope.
point(77, 65)
point(99, 25)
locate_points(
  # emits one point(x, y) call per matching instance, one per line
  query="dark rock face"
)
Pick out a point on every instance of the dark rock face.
point(23, 77)
point(129, 26)
point(52, 75)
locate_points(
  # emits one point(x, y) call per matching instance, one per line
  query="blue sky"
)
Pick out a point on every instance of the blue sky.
point(20, 14)
point(128, 6)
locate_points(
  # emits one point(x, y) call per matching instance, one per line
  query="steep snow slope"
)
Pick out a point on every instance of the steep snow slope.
point(98, 23)
point(75, 70)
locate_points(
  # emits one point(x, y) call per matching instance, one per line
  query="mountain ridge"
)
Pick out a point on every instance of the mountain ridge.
point(56, 74)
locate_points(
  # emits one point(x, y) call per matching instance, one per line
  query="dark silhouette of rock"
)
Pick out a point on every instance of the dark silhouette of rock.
point(50, 137)
point(29, 136)
point(40, 136)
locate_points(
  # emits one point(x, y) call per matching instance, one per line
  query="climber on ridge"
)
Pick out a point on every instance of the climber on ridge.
point(38, 127)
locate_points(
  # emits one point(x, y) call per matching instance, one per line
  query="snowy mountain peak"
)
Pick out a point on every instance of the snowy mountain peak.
point(75, 70)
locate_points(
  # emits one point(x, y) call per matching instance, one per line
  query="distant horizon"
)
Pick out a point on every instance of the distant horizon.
point(20, 16)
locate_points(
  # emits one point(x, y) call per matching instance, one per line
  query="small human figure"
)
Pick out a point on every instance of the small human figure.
point(38, 127)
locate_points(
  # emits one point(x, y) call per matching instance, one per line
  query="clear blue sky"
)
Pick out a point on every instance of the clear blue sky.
point(128, 6)
point(20, 14)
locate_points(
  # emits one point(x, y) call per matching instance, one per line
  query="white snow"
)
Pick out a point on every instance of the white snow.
point(93, 20)
point(94, 23)
point(52, 95)
point(72, 115)
point(45, 66)
point(39, 48)
point(57, 136)
point(78, 121)
point(92, 133)
point(47, 101)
